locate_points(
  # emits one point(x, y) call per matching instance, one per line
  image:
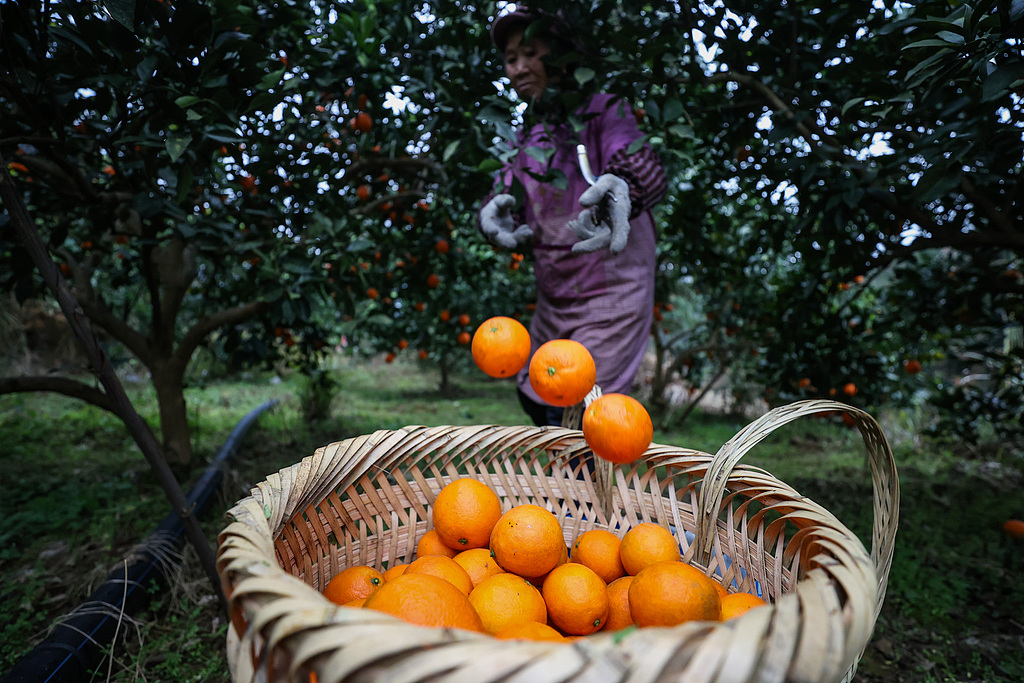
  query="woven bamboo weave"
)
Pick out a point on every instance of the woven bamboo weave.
point(367, 500)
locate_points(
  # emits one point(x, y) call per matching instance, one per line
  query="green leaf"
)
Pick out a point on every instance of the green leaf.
point(186, 101)
point(925, 64)
point(360, 244)
point(271, 79)
point(636, 145)
point(145, 68)
point(853, 196)
point(673, 110)
point(176, 145)
point(218, 81)
point(851, 103)
point(558, 180)
point(1001, 81)
point(122, 11)
point(539, 153)
point(489, 165)
point(682, 131)
point(1016, 10)
point(450, 150)
point(584, 75)
point(937, 182)
point(185, 179)
point(653, 111)
point(931, 42)
point(223, 137)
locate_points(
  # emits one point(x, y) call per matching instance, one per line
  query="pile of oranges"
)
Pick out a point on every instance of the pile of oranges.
point(511, 575)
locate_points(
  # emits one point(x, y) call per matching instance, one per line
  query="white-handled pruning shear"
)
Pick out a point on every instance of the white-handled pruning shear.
point(588, 175)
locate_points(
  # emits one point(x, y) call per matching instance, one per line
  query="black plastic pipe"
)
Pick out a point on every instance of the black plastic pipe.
point(76, 646)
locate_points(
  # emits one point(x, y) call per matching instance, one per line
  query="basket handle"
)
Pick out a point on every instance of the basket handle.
point(885, 481)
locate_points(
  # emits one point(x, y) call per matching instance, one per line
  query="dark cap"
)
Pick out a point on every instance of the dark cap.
point(522, 17)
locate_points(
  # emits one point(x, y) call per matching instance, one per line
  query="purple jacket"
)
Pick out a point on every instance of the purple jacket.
point(602, 300)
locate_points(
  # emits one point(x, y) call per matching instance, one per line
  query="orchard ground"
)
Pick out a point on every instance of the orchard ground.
point(79, 497)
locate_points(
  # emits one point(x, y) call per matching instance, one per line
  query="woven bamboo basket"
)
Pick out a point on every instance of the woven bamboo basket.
point(367, 500)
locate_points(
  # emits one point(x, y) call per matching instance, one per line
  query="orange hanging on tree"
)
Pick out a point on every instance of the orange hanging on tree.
point(501, 346)
point(361, 122)
point(562, 372)
point(617, 428)
point(1014, 529)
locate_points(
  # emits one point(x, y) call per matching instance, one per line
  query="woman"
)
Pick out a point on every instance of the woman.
point(593, 244)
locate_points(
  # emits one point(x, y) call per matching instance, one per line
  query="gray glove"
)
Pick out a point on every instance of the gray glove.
point(498, 225)
point(604, 222)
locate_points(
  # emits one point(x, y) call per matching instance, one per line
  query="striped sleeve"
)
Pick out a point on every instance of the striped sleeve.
point(645, 176)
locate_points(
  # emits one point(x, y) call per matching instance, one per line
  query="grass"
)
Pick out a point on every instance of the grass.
point(79, 496)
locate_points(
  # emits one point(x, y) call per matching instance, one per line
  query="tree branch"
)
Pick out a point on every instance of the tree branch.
point(60, 385)
point(379, 203)
point(232, 316)
point(958, 240)
point(809, 131)
point(100, 315)
point(175, 269)
point(997, 216)
point(377, 163)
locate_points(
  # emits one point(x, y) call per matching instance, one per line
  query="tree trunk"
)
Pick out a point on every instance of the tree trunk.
point(658, 380)
point(176, 434)
point(445, 386)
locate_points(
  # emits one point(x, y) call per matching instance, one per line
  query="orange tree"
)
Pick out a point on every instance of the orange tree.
point(138, 134)
point(848, 193)
point(263, 178)
point(229, 176)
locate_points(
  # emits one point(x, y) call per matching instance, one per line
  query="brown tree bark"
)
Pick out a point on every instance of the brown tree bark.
point(167, 377)
point(66, 386)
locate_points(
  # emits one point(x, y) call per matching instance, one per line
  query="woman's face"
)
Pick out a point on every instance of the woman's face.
point(524, 64)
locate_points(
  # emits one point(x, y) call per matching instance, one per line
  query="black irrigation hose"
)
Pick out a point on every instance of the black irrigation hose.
point(76, 646)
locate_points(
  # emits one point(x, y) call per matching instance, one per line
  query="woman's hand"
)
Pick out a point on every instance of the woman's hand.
point(498, 224)
point(604, 222)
